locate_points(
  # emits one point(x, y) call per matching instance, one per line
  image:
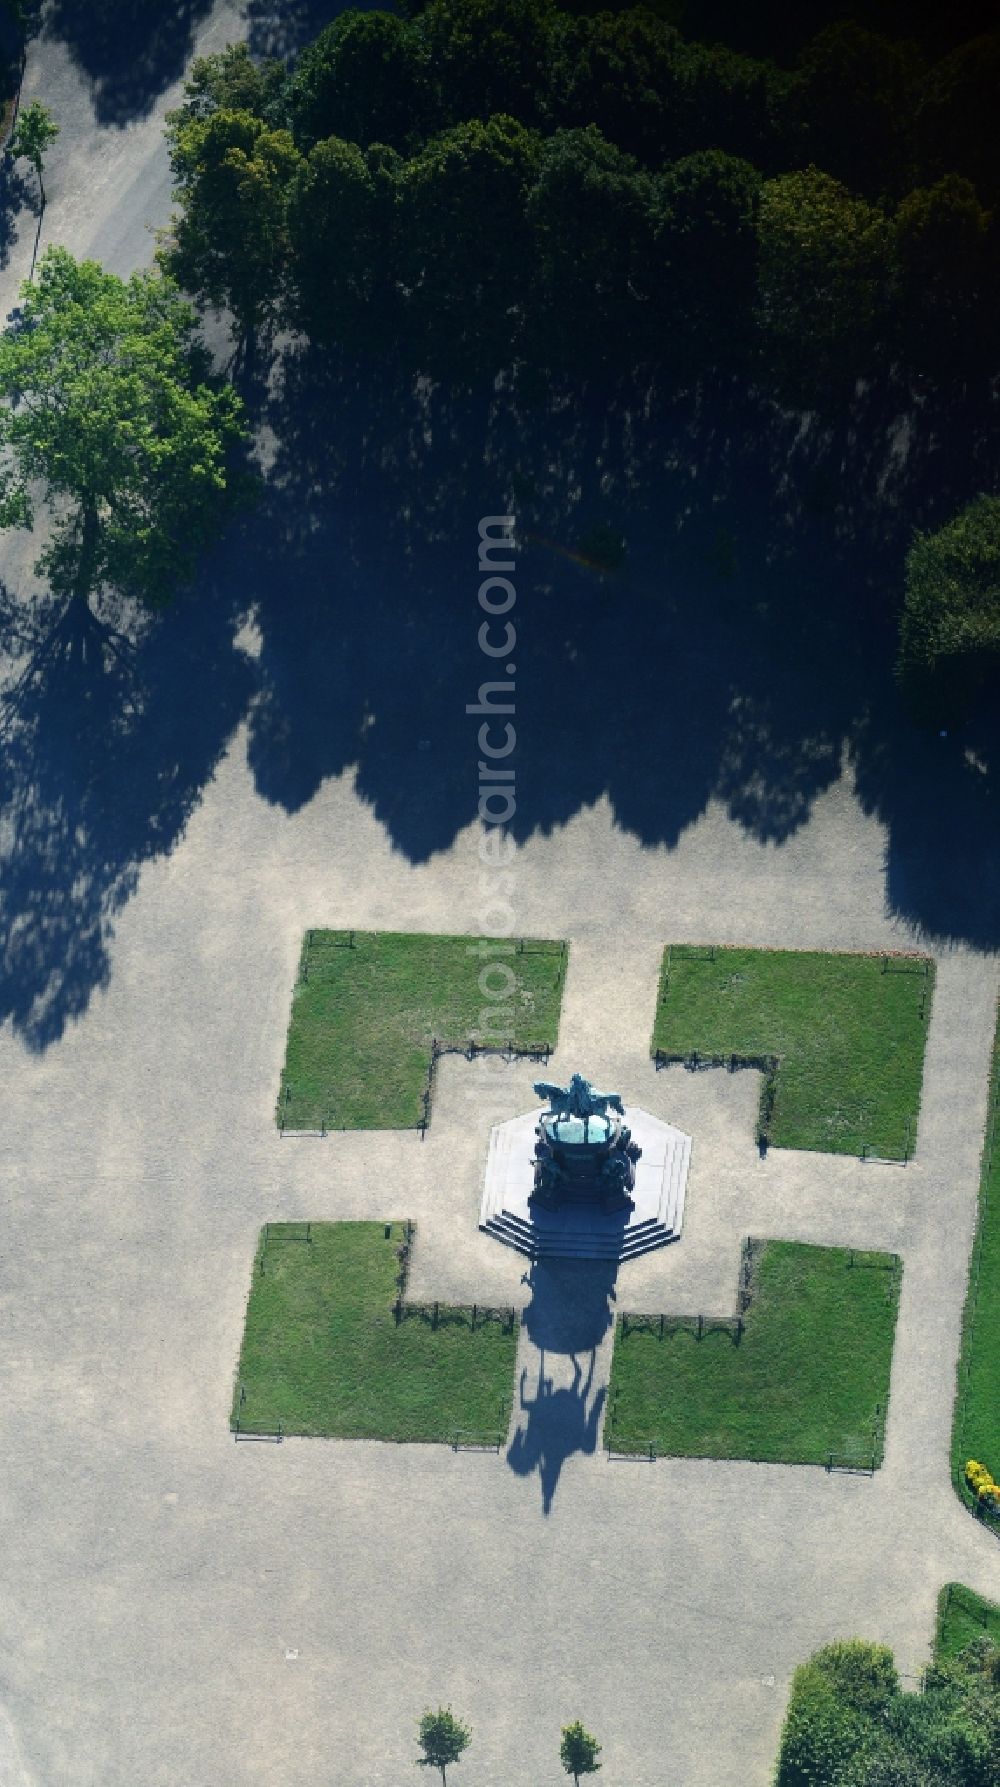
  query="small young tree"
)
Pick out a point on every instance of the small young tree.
point(578, 1752)
point(34, 132)
point(442, 1738)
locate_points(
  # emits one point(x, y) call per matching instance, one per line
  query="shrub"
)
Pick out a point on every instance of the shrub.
point(821, 1733)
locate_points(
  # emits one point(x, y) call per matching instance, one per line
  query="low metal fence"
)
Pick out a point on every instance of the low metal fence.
point(289, 1231)
point(437, 1313)
point(473, 1439)
point(244, 1429)
point(984, 1615)
point(451, 1315)
point(854, 1464)
point(242, 1432)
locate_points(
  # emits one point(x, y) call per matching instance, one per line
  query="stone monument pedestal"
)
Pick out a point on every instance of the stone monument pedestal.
point(583, 1230)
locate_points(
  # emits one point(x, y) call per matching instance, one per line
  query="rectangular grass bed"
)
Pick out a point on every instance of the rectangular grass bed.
point(845, 1035)
point(367, 1006)
point(809, 1378)
point(322, 1352)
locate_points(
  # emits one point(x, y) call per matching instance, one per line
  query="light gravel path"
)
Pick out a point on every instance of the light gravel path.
point(178, 1611)
point(107, 186)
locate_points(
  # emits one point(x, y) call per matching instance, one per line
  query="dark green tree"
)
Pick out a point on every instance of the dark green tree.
point(651, 93)
point(443, 1739)
point(228, 245)
point(823, 285)
point(736, 103)
point(231, 81)
point(366, 79)
point(825, 1727)
point(856, 104)
point(703, 278)
point(622, 73)
point(957, 119)
point(589, 209)
point(946, 280)
point(849, 1725)
point(465, 245)
point(949, 637)
point(110, 416)
point(578, 1752)
point(343, 234)
point(488, 57)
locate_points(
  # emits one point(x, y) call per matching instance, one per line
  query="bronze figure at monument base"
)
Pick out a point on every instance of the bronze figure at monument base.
point(584, 1152)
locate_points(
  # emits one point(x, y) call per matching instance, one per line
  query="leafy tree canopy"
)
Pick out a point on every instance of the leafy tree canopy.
point(652, 208)
point(856, 101)
point(109, 408)
point(578, 1751)
point(589, 209)
point(823, 281)
point(231, 81)
point(705, 210)
point(956, 122)
point(365, 78)
point(849, 1725)
point(34, 132)
point(343, 229)
point(233, 175)
point(950, 628)
point(945, 258)
point(487, 56)
point(465, 242)
point(442, 1739)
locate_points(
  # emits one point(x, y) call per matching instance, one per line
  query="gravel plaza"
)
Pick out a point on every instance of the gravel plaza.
point(179, 1610)
point(179, 1607)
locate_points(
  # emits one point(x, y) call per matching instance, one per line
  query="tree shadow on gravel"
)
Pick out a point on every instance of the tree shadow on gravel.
point(662, 686)
point(130, 50)
point(742, 653)
point(937, 797)
point(107, 745)
point(18, 200)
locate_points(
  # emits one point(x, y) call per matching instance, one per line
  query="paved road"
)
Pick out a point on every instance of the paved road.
point(177, 1609)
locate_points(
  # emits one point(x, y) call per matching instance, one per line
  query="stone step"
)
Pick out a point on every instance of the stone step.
point(565, 1245)
point(638, 1233)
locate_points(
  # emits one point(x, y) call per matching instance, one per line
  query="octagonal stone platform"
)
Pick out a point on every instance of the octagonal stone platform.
point(581, 1231)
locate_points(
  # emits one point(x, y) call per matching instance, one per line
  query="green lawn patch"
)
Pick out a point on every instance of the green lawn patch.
point(840, 1037)
point(962, 1616)
point(323, 1352)
point(809, 1377)
point(367, 1007)
point(977, 1407)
